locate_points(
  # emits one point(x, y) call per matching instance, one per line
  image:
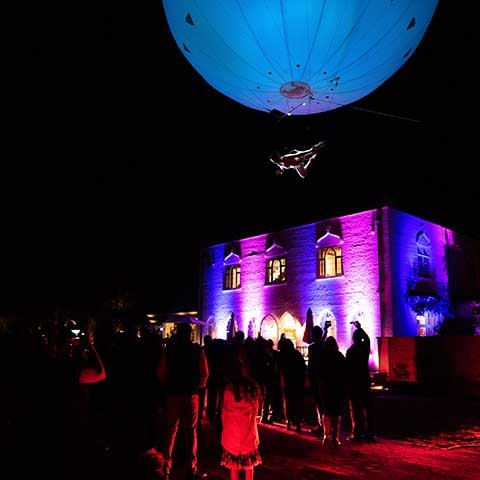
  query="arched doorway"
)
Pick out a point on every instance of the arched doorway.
point(289, 325)
point(269, 328)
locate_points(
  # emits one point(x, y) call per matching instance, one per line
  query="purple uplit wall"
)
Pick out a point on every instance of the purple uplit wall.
point(380, 262)
point(345, 298)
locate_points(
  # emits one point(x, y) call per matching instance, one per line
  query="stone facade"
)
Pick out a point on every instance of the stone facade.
point(380, 283)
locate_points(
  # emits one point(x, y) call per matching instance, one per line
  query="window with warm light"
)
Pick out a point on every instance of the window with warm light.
point(330, 262)
point(421, 320)
point(289, 327)
point(427, 324)
point(421, 326)
point(232, 277)
point(276, 271)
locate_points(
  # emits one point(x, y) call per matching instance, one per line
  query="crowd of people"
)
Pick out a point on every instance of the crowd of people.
point(144, 397)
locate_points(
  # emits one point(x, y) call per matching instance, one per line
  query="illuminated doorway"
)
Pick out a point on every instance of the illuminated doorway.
point(269, 328)
point(288, 326)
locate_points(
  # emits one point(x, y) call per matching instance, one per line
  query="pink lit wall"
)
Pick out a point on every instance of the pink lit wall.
point(352, 296)
point(380, 259)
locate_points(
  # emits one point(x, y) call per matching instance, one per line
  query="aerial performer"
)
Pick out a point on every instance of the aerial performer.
point(297, 159)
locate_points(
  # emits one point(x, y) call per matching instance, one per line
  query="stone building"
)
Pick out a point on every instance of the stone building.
point(397, 274)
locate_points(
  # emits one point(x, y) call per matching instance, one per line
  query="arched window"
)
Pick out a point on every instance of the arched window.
point(269, 328)
point(329, 259)
point(289, 326)
point(423, 254)
point(423, 262)
point(232, 277)
point(330, 262)
point(276, 270)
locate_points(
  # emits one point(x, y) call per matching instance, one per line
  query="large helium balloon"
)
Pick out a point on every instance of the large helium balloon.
point(297, 56)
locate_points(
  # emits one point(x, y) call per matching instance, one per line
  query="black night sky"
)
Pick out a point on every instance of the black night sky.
point(128, 162)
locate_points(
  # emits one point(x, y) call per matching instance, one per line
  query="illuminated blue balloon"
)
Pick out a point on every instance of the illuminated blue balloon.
point(297, 56)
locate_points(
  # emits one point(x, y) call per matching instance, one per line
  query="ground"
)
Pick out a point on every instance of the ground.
point(289, 456)
point(420, 437)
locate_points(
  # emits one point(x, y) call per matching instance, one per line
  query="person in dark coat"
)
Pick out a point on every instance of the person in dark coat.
point(212, 352)
point(292, 367)
point(183, 371)
point(265, 371)
point(359, 392)
point(314, 370)
point(333, 385)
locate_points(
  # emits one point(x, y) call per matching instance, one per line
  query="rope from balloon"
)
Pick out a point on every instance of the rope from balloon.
point(375, 112)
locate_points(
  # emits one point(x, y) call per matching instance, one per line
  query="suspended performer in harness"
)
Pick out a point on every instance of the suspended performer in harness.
point(297, 159)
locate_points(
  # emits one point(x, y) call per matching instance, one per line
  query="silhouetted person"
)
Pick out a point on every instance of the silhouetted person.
point(315, 368)
point(148, 392)
point(81, 369)
point(212, 353)
point(267, 375)
point(238, 346)
point(281, 341)
point(183, 371)
point(333, 384)
point(278, 413)
point(292, 366)
point(359, 385)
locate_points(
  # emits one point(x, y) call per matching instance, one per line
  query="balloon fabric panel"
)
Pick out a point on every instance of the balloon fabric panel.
point(297, 56)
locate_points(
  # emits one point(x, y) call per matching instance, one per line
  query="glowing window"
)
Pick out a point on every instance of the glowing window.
point(276, 270)
point(421, 320)
point(289, 327)
point(330, 262)
point(289, 322)
point(269, 328)
point(232, 277)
